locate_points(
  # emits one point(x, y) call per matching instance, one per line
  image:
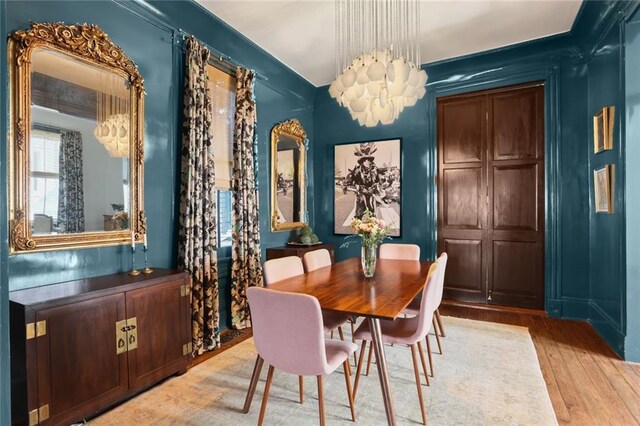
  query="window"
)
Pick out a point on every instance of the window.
point(223, 100)
point(45, 153)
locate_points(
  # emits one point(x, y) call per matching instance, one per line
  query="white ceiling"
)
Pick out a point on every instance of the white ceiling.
point(301, 33)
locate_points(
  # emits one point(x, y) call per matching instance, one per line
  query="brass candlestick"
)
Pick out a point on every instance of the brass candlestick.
point(146, 269)
point(133, 271)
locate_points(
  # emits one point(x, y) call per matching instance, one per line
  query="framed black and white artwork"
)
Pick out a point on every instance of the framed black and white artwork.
point(367, 177)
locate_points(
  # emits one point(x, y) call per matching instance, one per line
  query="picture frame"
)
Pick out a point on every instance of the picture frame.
point(368, 175)
point(604, 187)
point(603, 126)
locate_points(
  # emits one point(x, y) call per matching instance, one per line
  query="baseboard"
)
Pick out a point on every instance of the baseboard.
point(574, 308)
point(607, 328)
point(497, 308)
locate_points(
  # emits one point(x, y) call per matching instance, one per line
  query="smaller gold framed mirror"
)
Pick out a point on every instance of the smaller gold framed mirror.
point(288, 176)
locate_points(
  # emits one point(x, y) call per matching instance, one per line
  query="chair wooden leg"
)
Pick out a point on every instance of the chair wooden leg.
point(257, 368)
point(301, 383)
point(369, 359)
point(416, 370)
point(433, 320)
point(341, 333)
point(265, 397)
point(331, 334)
point(424, 364)
point(321, 400)
point(439, 320)
point(353, 339)
point(429, 354)
point(359, 368)
point(347, 378)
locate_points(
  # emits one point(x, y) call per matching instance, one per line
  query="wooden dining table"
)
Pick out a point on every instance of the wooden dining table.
point(342, 287)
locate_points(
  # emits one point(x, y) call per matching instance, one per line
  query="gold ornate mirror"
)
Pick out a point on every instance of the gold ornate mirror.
point(76, 140)
point(288, 176)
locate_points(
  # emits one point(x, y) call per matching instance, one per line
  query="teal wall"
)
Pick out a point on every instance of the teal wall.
point(632, 189)
point(606, 270)
point(582, 71)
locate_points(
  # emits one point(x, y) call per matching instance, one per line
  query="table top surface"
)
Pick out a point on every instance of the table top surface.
point(342, 287)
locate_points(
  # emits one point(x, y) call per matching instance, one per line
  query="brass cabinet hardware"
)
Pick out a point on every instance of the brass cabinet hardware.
point(187, 348)
point(43, 413)
point(185, 290)
point(36, 329)
point(31, 330)
point(132, 333)
point(38, 415)
point(121, 337)
point(33, 417)
point(41, 328)
point(126, 335)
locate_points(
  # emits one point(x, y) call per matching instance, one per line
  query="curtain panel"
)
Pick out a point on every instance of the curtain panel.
point(246, 270)
point(197, 234)
point(71, 181)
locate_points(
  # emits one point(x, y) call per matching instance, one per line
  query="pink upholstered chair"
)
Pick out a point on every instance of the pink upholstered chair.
point(399, 251)
point(275, 270)
point(317, 259)
point(288, 334)
point(407, 331)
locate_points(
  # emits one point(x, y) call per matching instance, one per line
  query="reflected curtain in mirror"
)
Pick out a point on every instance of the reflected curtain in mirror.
point(197, 235)
point(70, 187)
point(246, 270)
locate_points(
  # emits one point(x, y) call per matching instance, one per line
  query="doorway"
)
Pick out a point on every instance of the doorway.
point(491, 195)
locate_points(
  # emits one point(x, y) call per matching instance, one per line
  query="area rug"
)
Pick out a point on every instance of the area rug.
point(489, 375)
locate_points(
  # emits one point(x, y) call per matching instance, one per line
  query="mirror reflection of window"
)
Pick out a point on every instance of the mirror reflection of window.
point(88, 108)
point(45, 149)
point(222, 86)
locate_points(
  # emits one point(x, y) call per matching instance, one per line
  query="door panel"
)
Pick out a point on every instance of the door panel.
point(463, 127)
point(160, 314)
point(515, 197)
point(515, 130)
point(516, 273)
point(491, 195)
point(87, 372)
point(463, 279)
point(462, 198)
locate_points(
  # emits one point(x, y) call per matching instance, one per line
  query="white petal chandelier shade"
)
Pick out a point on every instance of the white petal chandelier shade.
point(378, 49)
point(113, 134)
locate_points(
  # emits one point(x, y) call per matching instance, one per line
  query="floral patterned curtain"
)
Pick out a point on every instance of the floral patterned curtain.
point(70, 188)
point(246, 270)
point(197, 237)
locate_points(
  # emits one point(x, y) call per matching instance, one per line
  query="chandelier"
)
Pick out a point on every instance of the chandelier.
point(113, 119)
point(377, 59)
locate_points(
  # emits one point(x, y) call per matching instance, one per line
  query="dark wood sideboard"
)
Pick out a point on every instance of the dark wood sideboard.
point(284, 251)
point(79, 347)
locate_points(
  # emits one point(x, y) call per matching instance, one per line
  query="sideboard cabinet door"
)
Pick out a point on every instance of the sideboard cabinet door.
point(162, 320)
point(79, 369)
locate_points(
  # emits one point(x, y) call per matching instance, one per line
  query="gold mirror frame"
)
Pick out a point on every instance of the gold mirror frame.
point(294, 130)
point(89, 44)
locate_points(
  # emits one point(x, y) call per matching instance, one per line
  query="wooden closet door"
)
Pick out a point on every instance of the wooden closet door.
point(515, 241)
point(491, 195)
point(462, 140)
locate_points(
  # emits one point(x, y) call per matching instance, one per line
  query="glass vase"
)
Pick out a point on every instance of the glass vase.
point(368, 257)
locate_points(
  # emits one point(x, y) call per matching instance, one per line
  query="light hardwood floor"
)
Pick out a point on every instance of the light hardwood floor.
point(588, 383)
